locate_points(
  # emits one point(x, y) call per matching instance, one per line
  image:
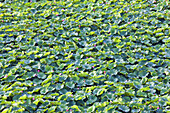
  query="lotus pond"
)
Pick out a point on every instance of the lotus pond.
point(84, 56)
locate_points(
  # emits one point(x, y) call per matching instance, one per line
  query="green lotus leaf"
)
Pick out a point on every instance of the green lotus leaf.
point(110, 96)
point(61, 66)
point(111, 65)
point(143, 73)
point(130, 92)
point(83, 74)
point(36, 89)
point(75, 79)
point(109, 108)
point(141, 94)
point(124, 108)
point(41, 75)
point(164, 91)
point(52, 109)
point(11, 78)
point(79, 97)
point(59, 86)
point(91, 99)
point(99, 47)
point(76, 107)
point(44, 90)
point(70, 85)
point(135, 110)
point(62, 78)
point(131, 60)
point(100, 91)
point(81, 82)
point(137, 84)
point(144, 80)
point(48, 69)
point(16, 97)
point(28, 68)
point(89, 82)
point(91, 109)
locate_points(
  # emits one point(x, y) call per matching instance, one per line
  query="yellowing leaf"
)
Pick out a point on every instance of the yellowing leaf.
point(120, 99)
point(70, 5)
point(52, 56)
point(88, 12)
point(59, 98)
point(5, 111)
point(29, 53)
point(7, 89)
point(21, 110)
point(36, 102)
point(145, 89)
point(4, 97)
point(23, 97)
point(76, 107)
point(69, 56)
point(47, 85)
point(83, 74)
point(140, 99)
point(47, 53)
point(68, 93)
point(1, 4)
point(100, 92)
point(54, 94)
point(69, 66)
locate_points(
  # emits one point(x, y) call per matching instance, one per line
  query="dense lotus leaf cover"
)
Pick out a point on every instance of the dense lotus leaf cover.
point(84, 56)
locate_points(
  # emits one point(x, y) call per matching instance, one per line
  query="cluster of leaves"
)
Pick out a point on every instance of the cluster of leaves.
point(84, 56)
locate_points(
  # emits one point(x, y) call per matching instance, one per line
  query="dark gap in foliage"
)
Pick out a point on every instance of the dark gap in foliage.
point(64, 68)
point(123, 14)
point(2, 0)
point(74, 90)
point(101, 83)
point(5, 51)
point(31, 79)
point(86, 99)
point(95, 84)
point(36, 44)
point(99, 99)
point(94, 50)
point(121, 23)
point(118, 110)
point(120, 74)
point(80, 102)
point(111, 22)
point(80, 46)
point(48, 17)
point(165, 81)
point(152, 9)
point(38, 105)
point(2, 83)
point(9, 98)
point(127, 86)
point(108, 59)
point(3, 109)
point(158, 42)
point(158, 92)
point(6, 36)
point(128, 34)
point(149, 75)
